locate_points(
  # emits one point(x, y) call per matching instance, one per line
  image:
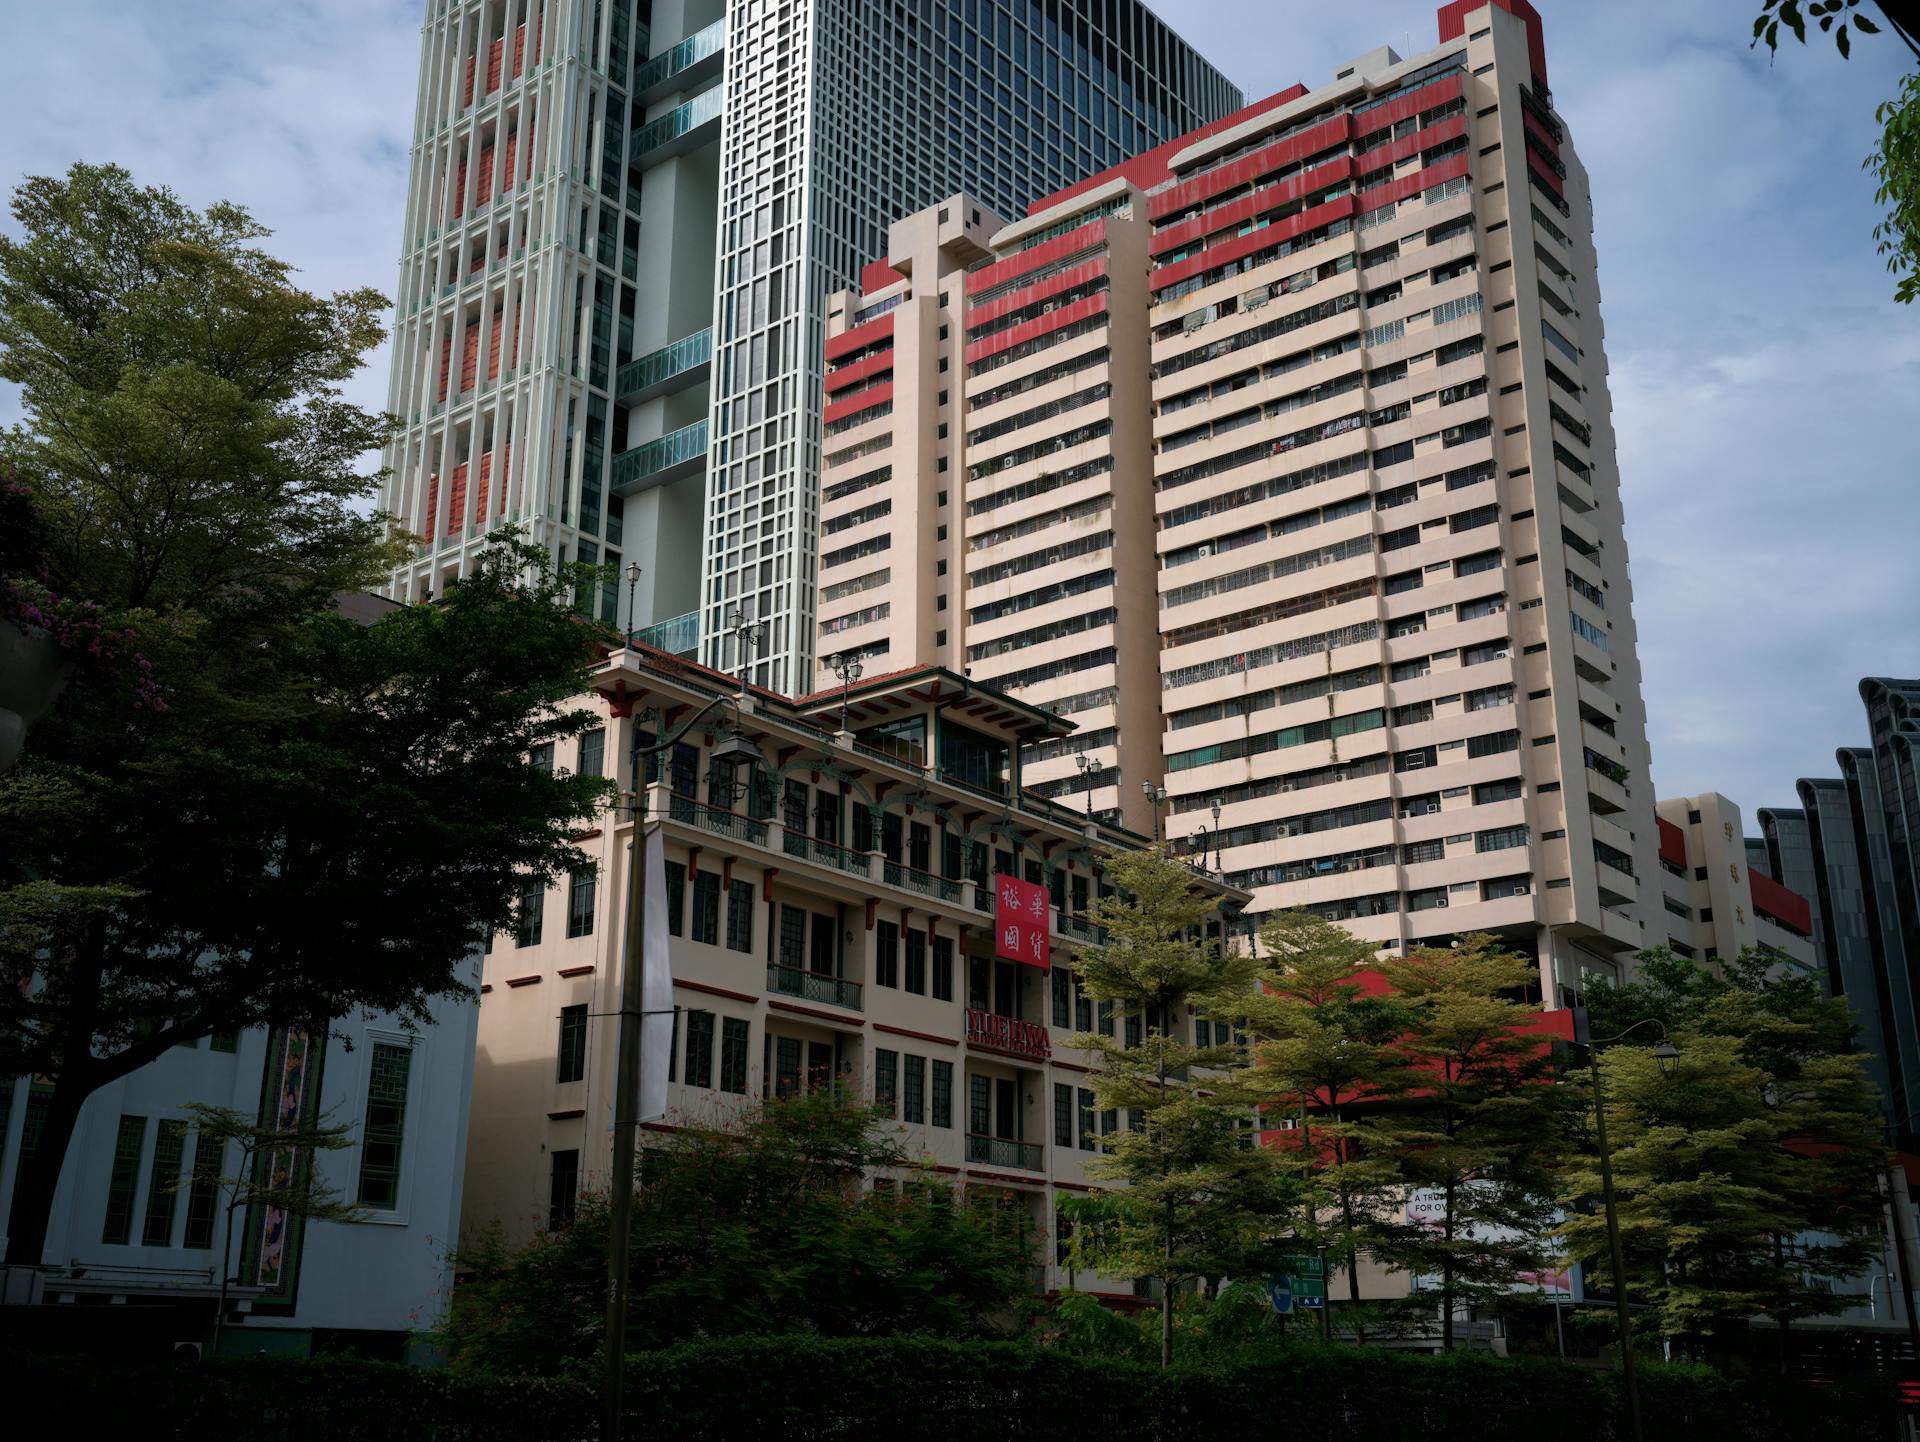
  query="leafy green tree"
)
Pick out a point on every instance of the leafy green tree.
point(1482, 1129)
point(1895, 161)
point(1326, 1064)
point(765, 1228)
point(272, 1168)
point(263, 813)
point(1747, 1170)
point(1201, 1199)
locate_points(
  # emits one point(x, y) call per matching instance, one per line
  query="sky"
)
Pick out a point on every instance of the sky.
point(1765, 385)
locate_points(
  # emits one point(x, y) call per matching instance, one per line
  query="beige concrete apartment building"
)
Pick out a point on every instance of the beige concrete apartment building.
point(1716, 894)
point(1330, 372)
point(831, 910)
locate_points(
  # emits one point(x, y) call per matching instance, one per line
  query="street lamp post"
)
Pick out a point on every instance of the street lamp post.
point(1665, 1054)
point(633, 581)
point(1087, 767)
point(1217, 866)
point(745, 633)
point(626, 1086)
point(847, 667)
point(1155, 794)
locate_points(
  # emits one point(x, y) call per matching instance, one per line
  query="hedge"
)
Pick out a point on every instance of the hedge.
point(808, 1389)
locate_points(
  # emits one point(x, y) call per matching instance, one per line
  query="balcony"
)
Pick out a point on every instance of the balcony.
point(813, 986)
point(923, 882)
point(721, 823)
point(675, 367)
point(661, 462)
point(681, 67)
point(827, 853)
point(682, 129)
point(1005, 1152)
point(679, 636)
point(1008, 1034)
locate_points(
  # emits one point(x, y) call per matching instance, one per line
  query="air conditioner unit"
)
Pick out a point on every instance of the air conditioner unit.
point(1416, 761)
point(1203, 550)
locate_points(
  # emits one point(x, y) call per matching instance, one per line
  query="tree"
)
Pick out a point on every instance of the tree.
point(1202, 1199)
point(764, 1228)
point(1895, 161)
point(274, 1169)
point(1481, 1129)
point(1326, 1062)
point(1747, 1174)
point(263, 812)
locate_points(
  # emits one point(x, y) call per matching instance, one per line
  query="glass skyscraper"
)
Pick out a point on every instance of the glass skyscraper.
point(623, 220)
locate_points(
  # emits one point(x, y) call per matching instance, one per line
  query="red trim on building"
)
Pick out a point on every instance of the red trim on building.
point(1027, 295)
point(878, 363)
point(1151, 167)
point(1452, 18)
point(1537, 163)
point(878, 275)
point(1005, 1179)
point(837, 1018)
point(1306, 220)
point(524, 980)
point(860, 337)
point(1246, 207)
point(1059, 248)
point(916, 1035)
point(571, 971)
point(852, 405)
point(1067, 315)
point(712, 990)
point(1771, 899)
point(1532, 122)
point(1673, 843)
point(1249, 168)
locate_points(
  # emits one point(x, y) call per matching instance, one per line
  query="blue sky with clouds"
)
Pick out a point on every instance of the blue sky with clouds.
point(1765, 386)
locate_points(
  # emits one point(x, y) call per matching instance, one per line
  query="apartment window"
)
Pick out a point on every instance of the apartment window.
point(786, 1066)
point(124, 1180)
point(793, 937)
point(913, 1091)
point(886, 1068)
point(542, 756)
point(699, 1071)
point(203, 1192)
point(706, 907)
point(572, 1063)
point(1693, 818)
point(1062, 997)
point(942, 1093)
point(917, 962)
point(979, 1106)
point(676, 898)
point(382, 1139)
point(593, 752)
point(533, 897)
point(1084, 1119)
point(1062, 1115)
point(581, 889)
point(163, 1183)
point(943, 968)
point(733, 1055)
point(740, 916)
point(886, 955)
point(563, 1188)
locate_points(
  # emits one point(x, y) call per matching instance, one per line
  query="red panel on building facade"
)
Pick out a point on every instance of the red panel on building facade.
point(877, 275)
point(1020, 921)
point(853, 405)
point(878, 363)
point(1306, 220)
point(1540, 168)
point(1027, 295)
point(1067, 315)
point(1673, 844)
point(1150, 168)
point(1249, 168)
point(1453, 24)
point(1246, 207)
point(1059, 248)
point(1770, 898)
point(849, 341)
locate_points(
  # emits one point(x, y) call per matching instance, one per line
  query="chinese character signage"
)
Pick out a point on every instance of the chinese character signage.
point(1020, 921)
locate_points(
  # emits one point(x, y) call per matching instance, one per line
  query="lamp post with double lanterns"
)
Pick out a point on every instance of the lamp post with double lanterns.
point(746, 633)
point(1217, 866)
point(847, 667)
point(1087, 767)
point(1665, 1054)
point(633, 574)
point(1156, 794)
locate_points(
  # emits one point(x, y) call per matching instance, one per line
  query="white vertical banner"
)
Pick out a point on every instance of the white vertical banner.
point(656, 981)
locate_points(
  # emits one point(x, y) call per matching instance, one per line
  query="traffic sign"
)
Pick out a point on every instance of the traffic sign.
point(1280, 1293)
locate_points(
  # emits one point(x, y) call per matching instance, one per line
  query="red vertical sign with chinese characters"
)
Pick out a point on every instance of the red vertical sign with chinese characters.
point(1020, 921)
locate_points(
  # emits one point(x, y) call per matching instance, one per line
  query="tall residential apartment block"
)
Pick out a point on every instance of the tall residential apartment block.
point(622, 223)
point(1330, 372)
point(1722, 891)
